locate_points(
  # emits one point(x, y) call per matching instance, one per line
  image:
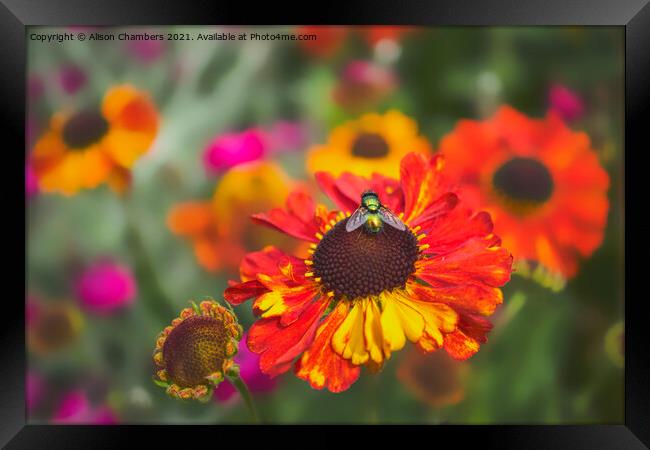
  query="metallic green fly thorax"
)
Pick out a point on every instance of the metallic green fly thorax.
point(371, 202)
point(372, 215)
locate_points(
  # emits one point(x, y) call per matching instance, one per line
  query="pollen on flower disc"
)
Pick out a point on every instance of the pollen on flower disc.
point(359, 263)
point(194, 349)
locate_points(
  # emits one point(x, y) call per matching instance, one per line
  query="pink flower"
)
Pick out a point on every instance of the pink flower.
point(249, 370)
point(35, 87)
point(31, 182)
point(33, 391)
point(75, 408)
point(231, 149)
point(31, 309)
point(363, 84)
point(146, 51)
point(105, 287)
point(72, 78)
point(288, 136)
point(565, 102)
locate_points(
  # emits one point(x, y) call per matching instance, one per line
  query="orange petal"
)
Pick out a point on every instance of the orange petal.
point(190, 218)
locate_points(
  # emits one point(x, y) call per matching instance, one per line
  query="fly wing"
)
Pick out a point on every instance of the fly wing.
point(391, 219)
point(357, 219)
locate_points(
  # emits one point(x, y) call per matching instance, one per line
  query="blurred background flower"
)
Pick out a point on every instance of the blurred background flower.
point(372, 143)
point(231, 149)
point(106, 286)
point(88, 147)
point(363, 84)
point(200, 135)
point(52, 326)
point(434, 378)
point(31, 183)
point(566, 103)
point(221, 229)
point(146, 51)
point(541, 182)
point(72, 78)
point(76, 408)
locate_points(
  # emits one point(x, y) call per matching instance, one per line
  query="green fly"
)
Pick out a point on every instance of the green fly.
point(373, 215)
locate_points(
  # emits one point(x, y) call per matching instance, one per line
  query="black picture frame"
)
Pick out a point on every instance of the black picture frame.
point(633, 15)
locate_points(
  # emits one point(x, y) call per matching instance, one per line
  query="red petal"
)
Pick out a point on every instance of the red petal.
point(284, 222)
point(450, 231)
point(344, 191)
point(279, 345)
point(269, 261)
point(320, 365)
point(239, 293)
point(436, 212)
point(298, 220)
point(301, 205)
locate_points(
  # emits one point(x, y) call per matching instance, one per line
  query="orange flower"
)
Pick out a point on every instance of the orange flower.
point(86, 148)
point(540, 181)
point(372, 143)
point(221, 228)
point(362, 294)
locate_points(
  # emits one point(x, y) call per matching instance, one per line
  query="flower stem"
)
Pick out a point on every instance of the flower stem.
point(246, 395)
point(153, 295)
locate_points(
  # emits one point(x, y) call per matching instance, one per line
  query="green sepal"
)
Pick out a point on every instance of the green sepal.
point(160, 383)
point(233, 372)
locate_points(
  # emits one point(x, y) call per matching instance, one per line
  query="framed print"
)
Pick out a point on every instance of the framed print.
point(422, 217)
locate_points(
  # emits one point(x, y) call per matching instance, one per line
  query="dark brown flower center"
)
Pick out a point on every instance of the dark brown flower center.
point(55, 328)
point(194, 349)
point(370, 145)
point(359, 263)
point(524, 180)
point(84, 128)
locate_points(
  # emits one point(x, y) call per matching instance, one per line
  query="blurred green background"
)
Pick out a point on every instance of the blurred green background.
point(546, 359)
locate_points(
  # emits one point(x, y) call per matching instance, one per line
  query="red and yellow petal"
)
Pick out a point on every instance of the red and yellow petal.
point(320, 365)
point(278, 345)
point(285, 303)
point(478, 261)
point(422, 183)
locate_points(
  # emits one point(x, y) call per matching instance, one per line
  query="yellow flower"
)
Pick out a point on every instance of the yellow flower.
point(221, 229)
point(85, 148)
point(372, 143)
point(196, 352)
